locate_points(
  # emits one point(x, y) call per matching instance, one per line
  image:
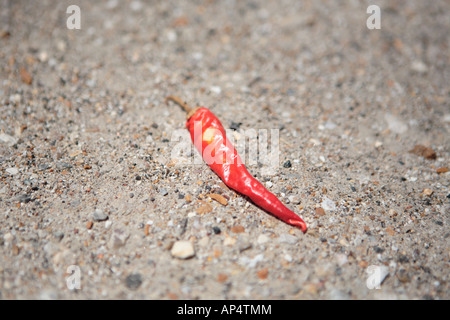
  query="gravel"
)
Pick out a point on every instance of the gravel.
point(85, 134)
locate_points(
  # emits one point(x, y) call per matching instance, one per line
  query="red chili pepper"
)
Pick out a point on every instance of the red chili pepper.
point(209, 138)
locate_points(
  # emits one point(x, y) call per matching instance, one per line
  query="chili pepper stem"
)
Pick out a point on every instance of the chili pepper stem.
point(179, 102)
point(190, 111)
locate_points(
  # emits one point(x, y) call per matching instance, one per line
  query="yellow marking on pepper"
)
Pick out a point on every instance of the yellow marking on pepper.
point(209, 134)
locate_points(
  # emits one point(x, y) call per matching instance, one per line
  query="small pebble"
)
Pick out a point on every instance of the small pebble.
point(8, 238)
point(63, 165)
point(43, 56)
point(320, 211)
point(58, 235)
point(215, 89)
point(25, 76)
point(219, 198)
point(328, 204)
point(263, 273)
point(192, 214)
point(43, 167)
point(403, 276)
point(12, 171)
point(251, 262)
point(295, 199)
point(341, 259)
point(118, 239)
point(23, 198)
point(262, 238)
point(182, 250)
point(419, 67)
point(382, 273)
point(99, 215)
point(229, 241)
point(442, 170)
point(237, 229)
point(221, 277)
point(7, 139)
point(287, 164)
point(133, 281)
point(287, 238)
point(235, 125)
point(163, 192)
point(423, 151)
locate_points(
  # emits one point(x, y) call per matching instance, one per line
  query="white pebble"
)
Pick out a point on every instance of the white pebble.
point(328, 204)
point(287, 238)
point(419, 67)
point(215, 89)
point(295, 199)
point(229, 241)
point(341, 259)
point(191, 214)
point(171, 36)
point(149, 139)
point(262, 238)
point(12, 171)
point(288, 257)
point(377, 276)
point(197, 56)
point(7, 139)
point(8, 238)
point(182, 250)
point(251, 262)
point(43, 56)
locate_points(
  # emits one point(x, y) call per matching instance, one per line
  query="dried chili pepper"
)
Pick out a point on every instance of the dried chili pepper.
point(209, 138)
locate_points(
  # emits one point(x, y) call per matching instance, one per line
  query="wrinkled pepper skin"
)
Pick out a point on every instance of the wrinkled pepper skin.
point(208, 136)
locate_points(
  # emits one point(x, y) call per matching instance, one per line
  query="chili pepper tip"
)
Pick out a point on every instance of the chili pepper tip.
point(298, 223)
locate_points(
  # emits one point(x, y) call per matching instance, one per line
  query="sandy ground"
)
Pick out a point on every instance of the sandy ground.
point(91, 196)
